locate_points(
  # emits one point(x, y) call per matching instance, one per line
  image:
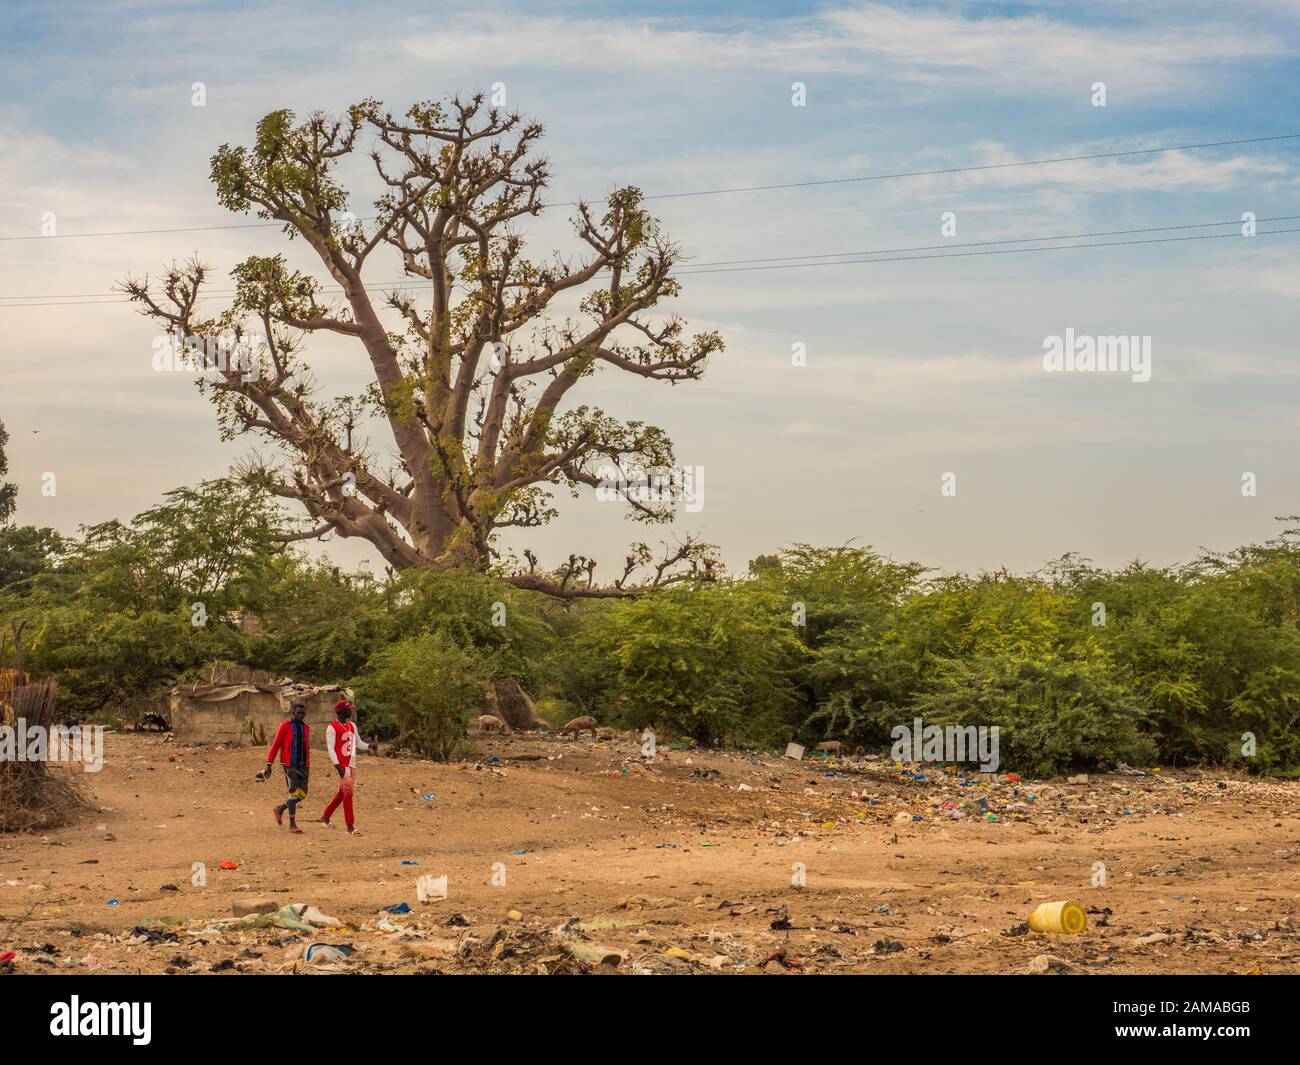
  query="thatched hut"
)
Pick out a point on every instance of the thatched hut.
point(247, 707)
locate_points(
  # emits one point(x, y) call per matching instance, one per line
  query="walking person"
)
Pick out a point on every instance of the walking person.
point(292, 743)
point(343, 741)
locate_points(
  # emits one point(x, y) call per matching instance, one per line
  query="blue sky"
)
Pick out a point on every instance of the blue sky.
point(915, 368)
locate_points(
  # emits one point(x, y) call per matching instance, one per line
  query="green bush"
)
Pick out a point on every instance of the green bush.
point(1052, 716)
point(431, 686)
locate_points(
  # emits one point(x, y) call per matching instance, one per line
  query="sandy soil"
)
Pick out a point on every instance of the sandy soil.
point(671, 867)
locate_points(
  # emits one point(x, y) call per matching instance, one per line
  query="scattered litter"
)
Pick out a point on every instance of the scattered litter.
point(1048, 965)
point(1064, 917)
point(325, 953)
point(252, 906)
point(154, 935)
point(782, 959)
point(431, 889)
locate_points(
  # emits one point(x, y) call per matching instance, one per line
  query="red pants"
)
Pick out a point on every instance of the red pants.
point(344, 796)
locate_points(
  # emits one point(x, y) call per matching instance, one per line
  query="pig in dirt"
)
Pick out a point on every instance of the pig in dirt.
point(491, 723)
point(830, 746)
point(579, 725)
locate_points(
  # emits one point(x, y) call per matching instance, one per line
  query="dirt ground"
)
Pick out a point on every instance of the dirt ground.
point(682, 865)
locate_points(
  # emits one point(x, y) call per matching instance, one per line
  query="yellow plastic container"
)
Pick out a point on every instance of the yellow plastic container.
point(1066, 917)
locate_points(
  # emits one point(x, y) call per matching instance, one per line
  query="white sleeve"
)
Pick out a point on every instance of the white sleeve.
point(362, 745)
point(329, 742)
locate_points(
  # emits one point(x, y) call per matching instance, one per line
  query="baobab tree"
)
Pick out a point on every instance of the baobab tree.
point(473, 367)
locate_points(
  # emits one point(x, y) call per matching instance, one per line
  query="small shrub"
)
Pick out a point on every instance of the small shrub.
point(431, 686)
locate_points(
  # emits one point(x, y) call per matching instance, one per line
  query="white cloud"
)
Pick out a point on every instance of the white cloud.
point(935, 46)
point(1038, 49)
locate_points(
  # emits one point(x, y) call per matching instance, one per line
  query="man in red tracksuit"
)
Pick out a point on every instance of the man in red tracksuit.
point(342, 740)
point(292, 743)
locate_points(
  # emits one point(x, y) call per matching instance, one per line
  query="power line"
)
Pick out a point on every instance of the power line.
point(988, 243)
point(1002, 251)
point(974, 169)
point(738, 189)
point(406, 283)
point(785, 263)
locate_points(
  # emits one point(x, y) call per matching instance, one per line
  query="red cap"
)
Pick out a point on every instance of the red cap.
point(343, 704)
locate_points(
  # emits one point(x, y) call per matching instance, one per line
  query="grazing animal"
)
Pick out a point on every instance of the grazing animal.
point(152, 722)
point(579, 725)
point(492, 723)
point(831, 746)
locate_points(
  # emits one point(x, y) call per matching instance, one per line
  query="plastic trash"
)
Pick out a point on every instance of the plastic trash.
point(1061, 917)
point(431, 889)
point(249, 907)
point(401, 907)
point(323, 953)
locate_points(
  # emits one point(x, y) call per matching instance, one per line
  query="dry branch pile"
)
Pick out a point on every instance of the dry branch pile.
point(34, 795)
point(508, 701)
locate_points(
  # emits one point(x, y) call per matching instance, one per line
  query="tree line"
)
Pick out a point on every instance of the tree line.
point(1077, 665)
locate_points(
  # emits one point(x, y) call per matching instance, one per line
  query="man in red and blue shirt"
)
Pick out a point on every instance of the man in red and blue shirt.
point(293, 744)
point(343, 741)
